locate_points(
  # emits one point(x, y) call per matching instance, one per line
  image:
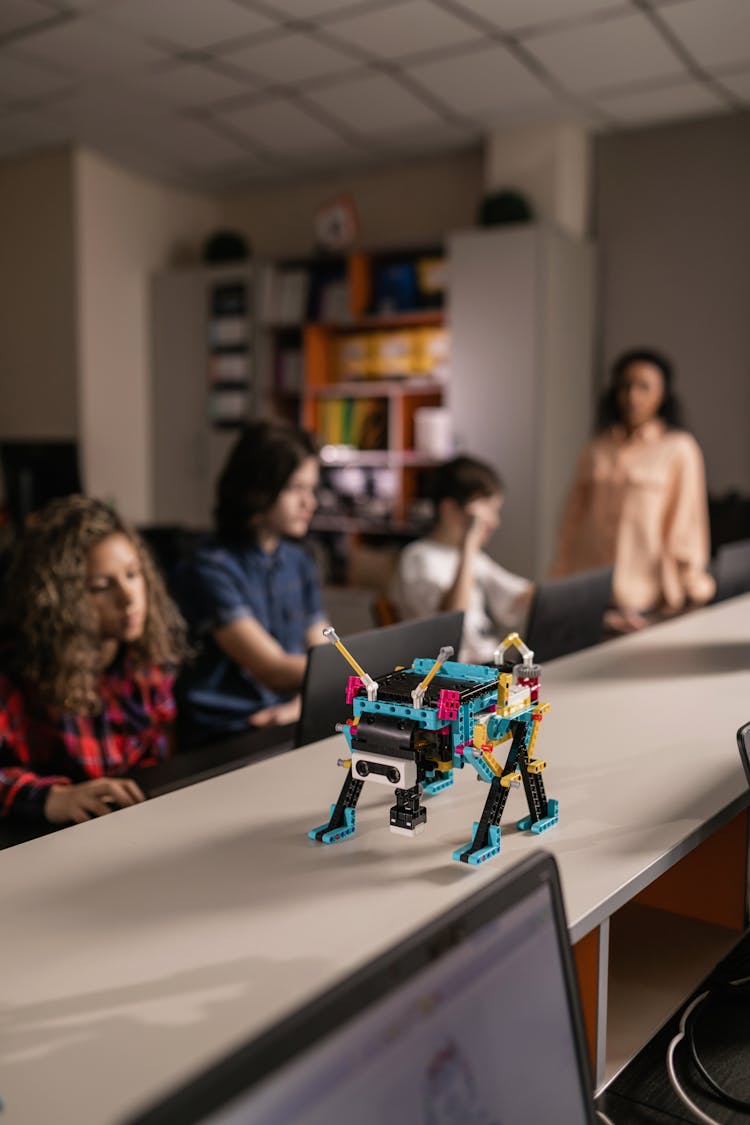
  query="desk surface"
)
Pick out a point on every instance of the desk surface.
point(140, 946)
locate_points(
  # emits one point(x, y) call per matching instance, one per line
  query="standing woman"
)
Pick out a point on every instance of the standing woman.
point(92, 644)
point(638, 502)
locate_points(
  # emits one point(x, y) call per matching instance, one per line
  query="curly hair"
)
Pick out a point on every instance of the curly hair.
point(49, 620)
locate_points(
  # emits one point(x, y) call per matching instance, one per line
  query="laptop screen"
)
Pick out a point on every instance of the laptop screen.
point(475, 1026)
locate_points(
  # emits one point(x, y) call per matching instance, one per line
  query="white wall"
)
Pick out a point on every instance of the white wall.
point(38, 352)
point(413, 204)
point(673, 229)
point(126, 227)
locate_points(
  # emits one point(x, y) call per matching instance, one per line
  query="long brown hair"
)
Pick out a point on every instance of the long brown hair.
point(50, 622)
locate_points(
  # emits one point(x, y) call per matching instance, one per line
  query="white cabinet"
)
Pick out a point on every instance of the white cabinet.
point(521, 316)
point(204, 366)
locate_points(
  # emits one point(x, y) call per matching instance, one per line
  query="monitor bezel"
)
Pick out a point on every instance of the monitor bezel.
point(254, 1061)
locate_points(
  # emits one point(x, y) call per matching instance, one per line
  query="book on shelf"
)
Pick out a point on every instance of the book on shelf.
point(360, 422)
point(227, 406)
point(227, 331)
point(229, 367)
point(229, 299)
point(285, 296)
point(289, 371)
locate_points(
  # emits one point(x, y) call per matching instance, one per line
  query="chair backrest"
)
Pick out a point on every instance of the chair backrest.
point(35, 472)
point(377, 651)
point(731, 569)
point(567, 614)
point(743, 744)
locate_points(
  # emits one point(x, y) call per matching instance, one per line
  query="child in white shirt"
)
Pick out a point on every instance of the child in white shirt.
point(448, 569)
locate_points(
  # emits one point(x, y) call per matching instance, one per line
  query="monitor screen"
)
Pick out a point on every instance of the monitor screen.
point(482, 1035)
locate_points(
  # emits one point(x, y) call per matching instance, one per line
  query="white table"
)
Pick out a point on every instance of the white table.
point(138, 947)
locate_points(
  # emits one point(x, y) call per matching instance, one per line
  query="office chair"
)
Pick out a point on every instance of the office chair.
point(743, 744)
point(567, 614)
point(731, 569)
point(35, 472)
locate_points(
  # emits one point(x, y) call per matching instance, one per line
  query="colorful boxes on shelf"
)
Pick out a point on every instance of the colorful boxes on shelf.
point(393, 354)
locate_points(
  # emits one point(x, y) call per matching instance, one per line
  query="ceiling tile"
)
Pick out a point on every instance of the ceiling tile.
point(89, 48)
point(196, 143)
point(606, 53)
point(479, 81)
point(189, 84)
point(290, 58)
point(403, 29)
point(80, 5)
point(374, 104)
point(441, 137)
point(716, 32)
point(21, 79)
point(17, 15)
point(738, 83)
point(192, 24)
point(30, 131)
point(282, 127)
point(310, 9)
point(508, 15)
point(687, 99)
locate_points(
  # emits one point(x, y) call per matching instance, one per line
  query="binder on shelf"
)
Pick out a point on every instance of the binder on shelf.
point(229, 367)
point(228, 406)
point(229, 299)
point(285, 296)
point(289, 371)
point(227, 331)
point(361, 423)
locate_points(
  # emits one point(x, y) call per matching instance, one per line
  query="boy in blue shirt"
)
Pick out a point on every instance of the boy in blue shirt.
point(251, 596)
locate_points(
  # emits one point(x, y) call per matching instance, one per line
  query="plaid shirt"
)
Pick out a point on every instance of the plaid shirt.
point(40, 747)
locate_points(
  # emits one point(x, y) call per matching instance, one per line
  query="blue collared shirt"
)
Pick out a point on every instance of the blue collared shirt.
point(221, 584)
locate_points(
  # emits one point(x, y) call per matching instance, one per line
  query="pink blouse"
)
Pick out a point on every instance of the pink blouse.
point(639, 504)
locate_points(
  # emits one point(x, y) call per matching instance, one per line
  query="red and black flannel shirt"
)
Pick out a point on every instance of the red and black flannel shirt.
point(39, 747)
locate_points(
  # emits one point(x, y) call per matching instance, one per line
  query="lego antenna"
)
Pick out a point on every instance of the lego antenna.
point(372, 687)
point(417, 696)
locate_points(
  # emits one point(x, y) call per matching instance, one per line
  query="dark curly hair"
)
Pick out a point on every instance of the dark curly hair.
point(257, 470)
point(670, 410)
point(49, 622)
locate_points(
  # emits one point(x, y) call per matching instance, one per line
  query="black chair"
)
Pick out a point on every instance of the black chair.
point(171, 544)
point(743, 744)
point(731, 570)
point(36, 472)
point(567, 614)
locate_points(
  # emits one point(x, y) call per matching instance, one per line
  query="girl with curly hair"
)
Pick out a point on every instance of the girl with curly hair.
point(93, 642)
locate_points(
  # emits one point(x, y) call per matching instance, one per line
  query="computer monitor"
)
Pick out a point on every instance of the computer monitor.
point(35, 472)
point(473, 1020)
point(567, 614)
point(377, 651)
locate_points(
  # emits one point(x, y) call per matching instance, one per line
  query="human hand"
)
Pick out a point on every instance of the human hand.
point(66, 804)
point(277, 715)
point(624, 621)
point(481, 521)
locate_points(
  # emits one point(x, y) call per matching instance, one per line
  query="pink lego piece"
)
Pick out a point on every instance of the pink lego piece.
point(353, 686)
point(448, 704)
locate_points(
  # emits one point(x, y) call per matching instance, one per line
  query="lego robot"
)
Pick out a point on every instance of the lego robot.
point(413, 727)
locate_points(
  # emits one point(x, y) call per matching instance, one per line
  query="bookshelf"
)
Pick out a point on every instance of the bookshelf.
point(366, 375)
